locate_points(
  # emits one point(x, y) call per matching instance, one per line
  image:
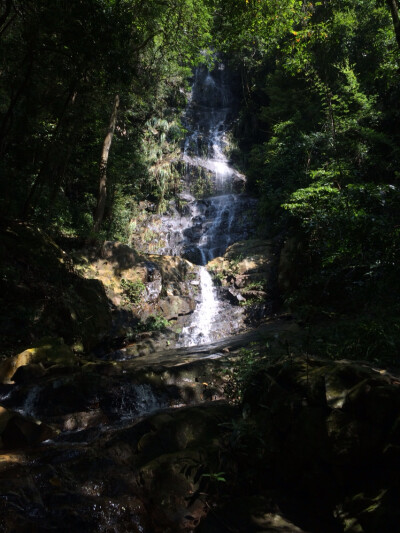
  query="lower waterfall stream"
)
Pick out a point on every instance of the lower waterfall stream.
point(199, 332)
point(212, 223)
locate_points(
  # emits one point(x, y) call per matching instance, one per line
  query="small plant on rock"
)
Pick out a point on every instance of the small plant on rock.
point(241, 373)
point(218, 476)
point(156, 323)
point(132, 290)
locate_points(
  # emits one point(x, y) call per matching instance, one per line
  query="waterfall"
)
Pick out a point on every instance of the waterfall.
point(199, 331)
point(211, 211)
point(220, 219)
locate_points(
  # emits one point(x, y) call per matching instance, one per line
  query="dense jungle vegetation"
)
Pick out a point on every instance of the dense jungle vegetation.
point(91, 93)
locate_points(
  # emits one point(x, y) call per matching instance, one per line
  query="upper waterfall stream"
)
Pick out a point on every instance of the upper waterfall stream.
point(212, 223)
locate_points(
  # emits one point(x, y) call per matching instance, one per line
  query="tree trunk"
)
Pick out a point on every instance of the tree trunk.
point(7, 119)
point(101, 200)
point(5, 20)
point(394, 9)
point(4, 16)
point(43, 172)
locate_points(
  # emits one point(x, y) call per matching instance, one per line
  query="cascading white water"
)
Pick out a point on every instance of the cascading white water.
point(217, 221)
point(199, 331)
point(218, 236)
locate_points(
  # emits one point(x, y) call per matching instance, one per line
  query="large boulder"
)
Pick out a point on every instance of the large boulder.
point(330, 429)
point(139, 286)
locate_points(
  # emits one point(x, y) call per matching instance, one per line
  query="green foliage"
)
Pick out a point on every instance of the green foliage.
point(217, 476)
point(156, 323)
point(133, 290)
point(241, 373)
point(255, 285)
point(161, 145)
point(152, 323)
point(376, 339)
point(62, 65)
point(319, 132)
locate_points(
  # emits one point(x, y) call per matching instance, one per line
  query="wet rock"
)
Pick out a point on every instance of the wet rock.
point(194, 233)
point(28, 373)
point(245, 275)
point(234, 296)
point(192, 254)
point(145, 477)
point(17, 431)
point(298, 441)
point(199, 231)
point(172, 451)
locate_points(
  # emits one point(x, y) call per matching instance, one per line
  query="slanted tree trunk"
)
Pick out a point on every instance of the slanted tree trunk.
point(44, 170)
point(394, 9)
point(101, 200)
point(4, 23)
point(8, 116)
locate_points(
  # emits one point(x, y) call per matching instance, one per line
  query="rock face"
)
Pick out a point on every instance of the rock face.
point(330, 430)
point(41, 294)
point(198, 230)
point(140, 287)
point(246, 275)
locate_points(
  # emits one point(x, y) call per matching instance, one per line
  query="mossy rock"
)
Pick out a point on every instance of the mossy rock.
point(47, 352)
point(253, 257)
